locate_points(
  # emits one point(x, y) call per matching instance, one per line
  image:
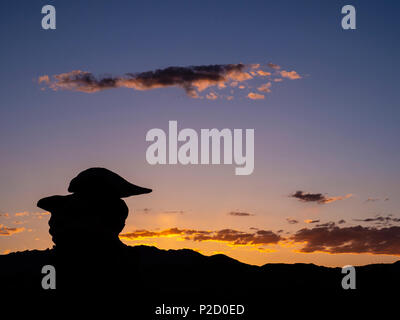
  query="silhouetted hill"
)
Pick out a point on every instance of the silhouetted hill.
point(182, 272)
point(142, 278)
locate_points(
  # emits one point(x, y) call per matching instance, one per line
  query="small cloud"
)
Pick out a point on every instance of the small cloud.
point(265, 250)
point(292, 75)
point(255, 96)
point(329, 224)
point(174, 211)
point(40, 215)
point(5, 231)
point(263, 73)
point(44, 79)
point(311, 221)
point(266, 87)
point(239, 75)
point(309, 197)
point(144, 210)
point(240, 214)
point(292, 221)
point(274, 66)
point(278, 80)
point(221, 85)
point(341, 221)
point(372, 200)
point(22, 214)
point(333, 199)
point(211, 96)
point(317, 197)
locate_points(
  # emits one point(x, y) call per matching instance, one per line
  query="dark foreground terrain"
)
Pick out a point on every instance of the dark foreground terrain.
point(141, 278)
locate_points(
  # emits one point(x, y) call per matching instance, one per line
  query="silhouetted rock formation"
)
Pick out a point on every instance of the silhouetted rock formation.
point(94, 212)
point(101, 181)
point(85, 226)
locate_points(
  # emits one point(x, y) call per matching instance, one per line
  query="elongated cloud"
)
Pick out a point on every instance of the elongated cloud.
point(193, 79)
point(5, 231)
point(262, 73)
point(381, 220)
point(358, 239)
point(376, 199)
point(33, 214)
point(317, 197)
point(255, 96)
point(22, 214)
point(311, 220)
point(333, 199)
point(230, 236)
point(240, 214)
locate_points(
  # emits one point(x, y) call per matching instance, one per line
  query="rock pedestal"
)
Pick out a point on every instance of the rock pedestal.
point(85, 225)
point(94, 214)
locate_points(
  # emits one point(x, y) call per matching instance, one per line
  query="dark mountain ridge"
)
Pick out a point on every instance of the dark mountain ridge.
point(144, 278)
point(157, 266)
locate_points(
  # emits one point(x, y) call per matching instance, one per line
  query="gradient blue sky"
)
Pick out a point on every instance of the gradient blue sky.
point(334, 131)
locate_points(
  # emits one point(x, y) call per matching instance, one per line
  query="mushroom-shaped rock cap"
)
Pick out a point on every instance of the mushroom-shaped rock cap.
point(105, 182)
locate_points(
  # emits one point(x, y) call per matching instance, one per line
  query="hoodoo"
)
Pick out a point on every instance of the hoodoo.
point(95, 210)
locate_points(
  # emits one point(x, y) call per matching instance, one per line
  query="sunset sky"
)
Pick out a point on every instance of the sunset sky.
point(323, 101)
